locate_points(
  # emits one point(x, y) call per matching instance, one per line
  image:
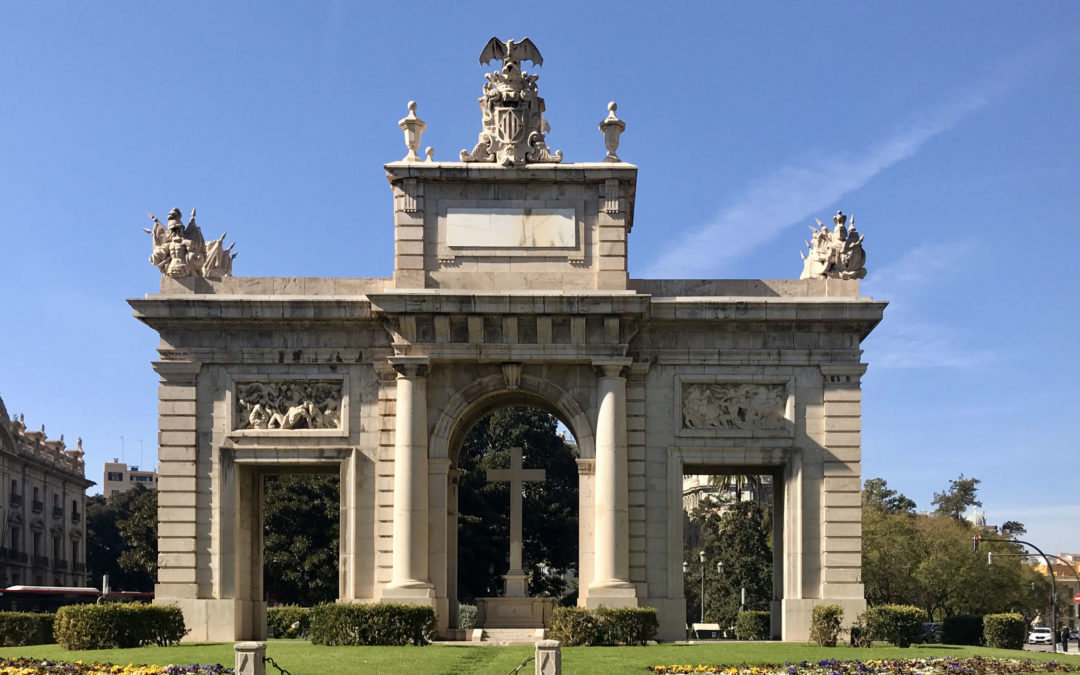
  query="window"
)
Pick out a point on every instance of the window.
point(115, 475)
point(15, 539)
point(37, 543)
point(57, 549)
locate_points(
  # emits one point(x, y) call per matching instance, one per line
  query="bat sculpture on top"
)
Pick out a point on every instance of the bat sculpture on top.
point(511, 53)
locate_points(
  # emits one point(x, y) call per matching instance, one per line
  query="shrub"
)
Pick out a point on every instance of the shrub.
point(110, 626)
point(574, 626)
point(466, 616)
point(962, 629)
point(18, 629)
point(288, 621)
point(380, 623)
point(627, 625)
point(752, 625)
point(825, 624)
point(1004, 631)
point(900, 625)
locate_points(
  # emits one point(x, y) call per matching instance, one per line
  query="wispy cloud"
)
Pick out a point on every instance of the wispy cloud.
point(905, 340)
point(795, 192)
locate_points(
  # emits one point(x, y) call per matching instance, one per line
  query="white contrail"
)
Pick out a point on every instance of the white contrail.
point(795, 192)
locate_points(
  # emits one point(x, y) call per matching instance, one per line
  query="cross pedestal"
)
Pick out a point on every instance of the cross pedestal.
point(516, 475)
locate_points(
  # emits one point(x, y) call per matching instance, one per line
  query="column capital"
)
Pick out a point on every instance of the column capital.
point(611, 367)
point(410, 366)
point(840, 374)
point(177, 372)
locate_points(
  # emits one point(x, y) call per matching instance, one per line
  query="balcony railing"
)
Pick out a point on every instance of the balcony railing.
point(16, 500)
point(57, 512)
point(37, 506)
point(78, 567)
point(76, 516)
point(13, 556)
point(40, 561)
point(59, 564)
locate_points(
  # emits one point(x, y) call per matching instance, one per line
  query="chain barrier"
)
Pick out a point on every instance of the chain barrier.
point(267, 659)
point(518, 669)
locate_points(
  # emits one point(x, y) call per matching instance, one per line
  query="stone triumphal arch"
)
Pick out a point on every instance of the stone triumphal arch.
point(510, 287)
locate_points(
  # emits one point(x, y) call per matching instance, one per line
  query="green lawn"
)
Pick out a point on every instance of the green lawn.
point(300, 657)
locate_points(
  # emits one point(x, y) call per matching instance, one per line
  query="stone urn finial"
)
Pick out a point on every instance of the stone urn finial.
point(413, 127)
point(612, 127)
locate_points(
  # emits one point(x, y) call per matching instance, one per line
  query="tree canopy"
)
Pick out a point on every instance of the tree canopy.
point(121, 539)
point(549, 508)
point(737, 535)
point(877, 495)
point(300, 538)
point(956, 500)
point(927, 561)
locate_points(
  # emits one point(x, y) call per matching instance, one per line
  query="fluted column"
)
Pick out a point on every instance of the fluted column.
point(410, 557)
point(611, 564)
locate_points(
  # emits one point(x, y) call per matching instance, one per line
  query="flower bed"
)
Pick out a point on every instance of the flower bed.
point(37, 667)
point(975, 665)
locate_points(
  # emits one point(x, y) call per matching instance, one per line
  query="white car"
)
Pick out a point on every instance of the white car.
point(1041, 636)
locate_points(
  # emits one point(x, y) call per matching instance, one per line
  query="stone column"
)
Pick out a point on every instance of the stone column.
point(611, 585)
point(410, 557)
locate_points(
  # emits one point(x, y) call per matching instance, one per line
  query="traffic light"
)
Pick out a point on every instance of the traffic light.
point(975, 543)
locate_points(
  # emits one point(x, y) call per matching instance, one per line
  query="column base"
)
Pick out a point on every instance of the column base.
point(516, 582)
point(611, 593)
point(419, 594)
point(228, 620)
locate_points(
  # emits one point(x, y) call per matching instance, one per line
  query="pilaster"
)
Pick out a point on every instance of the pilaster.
point(177, 455)
point(841, 576)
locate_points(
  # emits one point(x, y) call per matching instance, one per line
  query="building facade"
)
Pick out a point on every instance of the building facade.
point(42, 508)
point(119, 477)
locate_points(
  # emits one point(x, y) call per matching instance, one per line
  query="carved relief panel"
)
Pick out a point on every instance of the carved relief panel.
point(289, 405)
point(734, 406)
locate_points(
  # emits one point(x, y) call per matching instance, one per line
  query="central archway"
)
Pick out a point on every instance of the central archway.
point(464, 411)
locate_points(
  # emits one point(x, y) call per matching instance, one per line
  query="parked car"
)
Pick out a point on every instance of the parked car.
point(1041, 636)
point(1072, 634)
point(932, 632)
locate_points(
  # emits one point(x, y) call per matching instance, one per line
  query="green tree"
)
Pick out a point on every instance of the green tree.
point(1013, 528)
point(927, 561)
point(956, 500)
point(130, 563)
point(300, 538)
point(877, 495)
point(549, 508)
point(734, 534)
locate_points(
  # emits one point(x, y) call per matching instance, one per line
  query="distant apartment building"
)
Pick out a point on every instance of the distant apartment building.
point(42, 508)
point(119, 477)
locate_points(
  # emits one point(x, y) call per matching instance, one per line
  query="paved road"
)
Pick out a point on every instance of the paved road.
point(1045, 648)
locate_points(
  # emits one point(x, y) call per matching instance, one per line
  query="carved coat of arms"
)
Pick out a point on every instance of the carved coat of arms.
point(513, 112)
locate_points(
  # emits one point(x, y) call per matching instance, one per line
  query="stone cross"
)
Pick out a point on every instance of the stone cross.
point(516, 475)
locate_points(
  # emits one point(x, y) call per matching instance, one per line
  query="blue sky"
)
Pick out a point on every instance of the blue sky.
point(949, 129)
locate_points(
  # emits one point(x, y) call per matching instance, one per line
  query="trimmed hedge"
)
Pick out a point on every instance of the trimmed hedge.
point(573, 626)
point(18, 629)
point(280, 622)
point(752, 625)
point(962, 629)
point(899, 625)
point(380, 623)
point(1004, 631)
point(113, 625)
point(825, 623)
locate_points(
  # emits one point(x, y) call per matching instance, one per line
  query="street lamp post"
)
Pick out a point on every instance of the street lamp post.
point(1053, 584)
point(701, 559)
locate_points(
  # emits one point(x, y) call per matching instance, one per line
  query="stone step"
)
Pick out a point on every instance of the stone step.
point(512, 636)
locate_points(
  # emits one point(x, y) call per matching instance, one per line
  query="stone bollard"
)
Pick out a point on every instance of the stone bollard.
point(250, 658)
point(548, 658)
